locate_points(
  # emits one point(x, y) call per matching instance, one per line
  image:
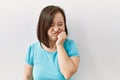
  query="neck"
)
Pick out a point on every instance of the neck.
point(52, 47)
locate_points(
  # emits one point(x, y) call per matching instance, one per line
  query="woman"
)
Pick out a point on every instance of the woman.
point(53, 57)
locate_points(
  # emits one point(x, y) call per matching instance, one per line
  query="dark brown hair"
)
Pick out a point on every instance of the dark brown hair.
point(45, 20)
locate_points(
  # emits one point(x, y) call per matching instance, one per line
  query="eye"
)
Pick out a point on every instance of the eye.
point(60, 24)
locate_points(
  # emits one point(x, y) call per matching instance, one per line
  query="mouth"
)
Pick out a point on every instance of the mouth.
point(57, 33)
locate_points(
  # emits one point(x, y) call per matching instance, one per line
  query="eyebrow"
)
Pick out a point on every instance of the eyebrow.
point(60, 22)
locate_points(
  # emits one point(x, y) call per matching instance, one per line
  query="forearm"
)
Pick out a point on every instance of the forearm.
point(28, 78)
point(66, 64)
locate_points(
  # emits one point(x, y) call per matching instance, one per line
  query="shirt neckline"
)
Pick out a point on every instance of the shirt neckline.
point(51, 53)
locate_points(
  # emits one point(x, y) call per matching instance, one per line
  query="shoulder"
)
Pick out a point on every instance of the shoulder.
point(68, 43)
point(34, 45)
point(31, 52)
point(71, 47)
point(33, 48)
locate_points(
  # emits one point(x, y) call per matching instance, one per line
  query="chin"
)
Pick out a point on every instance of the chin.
point(54, 39)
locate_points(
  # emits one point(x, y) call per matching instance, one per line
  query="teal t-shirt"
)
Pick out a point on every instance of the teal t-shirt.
point(45, 64)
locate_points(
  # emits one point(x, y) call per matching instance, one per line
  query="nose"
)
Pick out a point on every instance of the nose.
point(56, 28)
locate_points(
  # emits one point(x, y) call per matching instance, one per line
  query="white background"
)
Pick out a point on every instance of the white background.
point(93, 24)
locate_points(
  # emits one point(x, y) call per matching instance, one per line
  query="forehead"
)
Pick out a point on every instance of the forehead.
point(58, 18)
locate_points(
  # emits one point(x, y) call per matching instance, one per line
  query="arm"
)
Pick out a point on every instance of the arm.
point(68, 65)
point(28, 72)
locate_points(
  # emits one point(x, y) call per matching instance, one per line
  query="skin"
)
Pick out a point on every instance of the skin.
point(68, 65)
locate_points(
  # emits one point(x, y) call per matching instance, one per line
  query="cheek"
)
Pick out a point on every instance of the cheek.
point(50, 32)
point(63, 28)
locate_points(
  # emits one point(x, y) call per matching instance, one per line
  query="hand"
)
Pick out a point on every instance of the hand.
point(61, 38)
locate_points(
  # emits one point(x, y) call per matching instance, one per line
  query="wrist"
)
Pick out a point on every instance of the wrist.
point(60, 45)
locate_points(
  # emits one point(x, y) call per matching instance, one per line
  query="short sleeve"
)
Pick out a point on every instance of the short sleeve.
point(73, 49)
point(29, 56)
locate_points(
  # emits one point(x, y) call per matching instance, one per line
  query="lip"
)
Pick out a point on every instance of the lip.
point(58, 32)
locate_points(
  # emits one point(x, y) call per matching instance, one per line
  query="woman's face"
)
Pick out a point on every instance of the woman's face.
point(56, 27)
